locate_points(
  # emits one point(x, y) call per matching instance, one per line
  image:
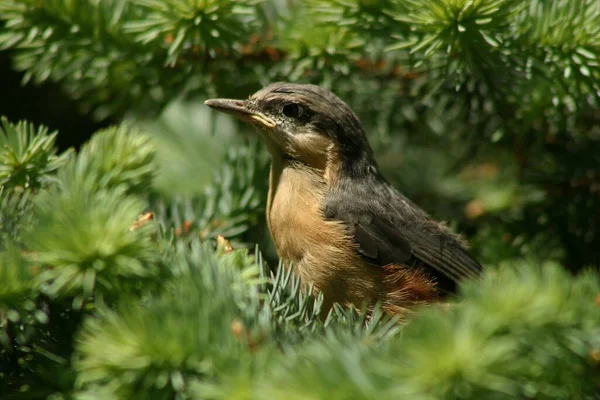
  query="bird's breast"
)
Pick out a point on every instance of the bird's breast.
point(321, 251)
point(294, 213)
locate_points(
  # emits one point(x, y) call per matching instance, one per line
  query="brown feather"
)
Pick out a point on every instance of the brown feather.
point(406, 287)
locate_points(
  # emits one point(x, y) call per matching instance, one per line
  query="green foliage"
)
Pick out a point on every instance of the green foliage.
point(96, 251)
point(207, 330)
point(17, 279)
point(97, 58)
point(489, 346)
point(27, 155)
point(115, 156)
point(294, 311)
point(203, 27)
point(162, 346)
point(15, 212)
point(331, 368)
point(21, 318)
point(369, 15)
point(563, 37)
point(484, 112)
point(100, 47)
point(507, 339)
point(311, 48)
point(441, 24)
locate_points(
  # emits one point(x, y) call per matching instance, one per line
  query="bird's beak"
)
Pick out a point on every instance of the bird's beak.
point(238, 109)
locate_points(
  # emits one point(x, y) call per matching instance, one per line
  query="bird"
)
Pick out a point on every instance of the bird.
point(334, 218)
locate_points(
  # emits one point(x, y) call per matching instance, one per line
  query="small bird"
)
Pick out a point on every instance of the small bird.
point(334, 217)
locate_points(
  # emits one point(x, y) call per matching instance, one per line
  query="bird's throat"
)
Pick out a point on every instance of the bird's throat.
point(295, 198)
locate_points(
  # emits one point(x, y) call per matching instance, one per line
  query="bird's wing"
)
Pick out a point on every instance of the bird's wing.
point(386, 235)
point(379, 242)
point(445, 254)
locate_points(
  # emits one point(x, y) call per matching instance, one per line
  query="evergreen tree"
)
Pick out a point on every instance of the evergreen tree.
point(140, 266)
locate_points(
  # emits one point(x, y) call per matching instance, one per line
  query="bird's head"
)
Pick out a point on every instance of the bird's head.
point(306, 123)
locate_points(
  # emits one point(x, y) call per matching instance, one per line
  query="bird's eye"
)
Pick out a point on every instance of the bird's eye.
point(292, 110)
